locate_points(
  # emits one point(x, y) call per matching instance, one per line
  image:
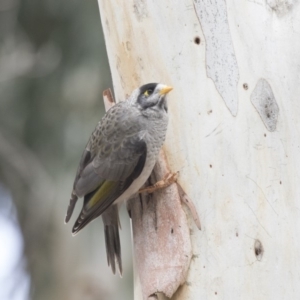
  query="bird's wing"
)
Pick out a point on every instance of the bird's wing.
point(112, 151)
point(115, 155)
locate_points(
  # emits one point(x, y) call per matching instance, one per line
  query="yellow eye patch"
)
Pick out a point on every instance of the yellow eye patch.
point(148, 92)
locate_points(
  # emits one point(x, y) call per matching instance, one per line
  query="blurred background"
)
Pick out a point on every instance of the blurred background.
point(53, 69)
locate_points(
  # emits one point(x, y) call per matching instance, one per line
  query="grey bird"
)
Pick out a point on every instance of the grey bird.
point(118, 159)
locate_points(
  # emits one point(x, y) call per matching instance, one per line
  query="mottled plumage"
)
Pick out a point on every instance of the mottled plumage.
point(118, 159)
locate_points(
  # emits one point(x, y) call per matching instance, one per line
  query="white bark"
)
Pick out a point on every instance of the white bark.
point(233, 132)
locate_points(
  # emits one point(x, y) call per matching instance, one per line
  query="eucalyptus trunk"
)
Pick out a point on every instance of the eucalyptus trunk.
point(233, 133)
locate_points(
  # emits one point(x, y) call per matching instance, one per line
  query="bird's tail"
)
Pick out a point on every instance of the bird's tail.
point(71, 206)
point(111, 222)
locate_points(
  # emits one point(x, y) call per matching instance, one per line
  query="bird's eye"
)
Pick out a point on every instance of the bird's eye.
point(148, 92)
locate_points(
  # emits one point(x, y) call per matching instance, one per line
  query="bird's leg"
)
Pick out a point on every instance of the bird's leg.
point(166, 181)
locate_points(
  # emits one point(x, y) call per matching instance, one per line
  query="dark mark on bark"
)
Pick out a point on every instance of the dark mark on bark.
point(258, 249)
point(197, 40)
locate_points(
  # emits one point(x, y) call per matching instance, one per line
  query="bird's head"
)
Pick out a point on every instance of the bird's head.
point(151, 98)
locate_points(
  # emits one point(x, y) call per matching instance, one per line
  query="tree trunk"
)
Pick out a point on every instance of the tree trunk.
point(233, 133)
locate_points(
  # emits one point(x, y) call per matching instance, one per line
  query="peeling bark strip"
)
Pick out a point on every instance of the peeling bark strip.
point(265, 103)
point(108, 99)
point(221, 64)
point(161, 238)
point(189, 203)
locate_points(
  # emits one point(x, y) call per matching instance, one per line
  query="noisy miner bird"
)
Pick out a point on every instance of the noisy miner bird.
point(118, 159)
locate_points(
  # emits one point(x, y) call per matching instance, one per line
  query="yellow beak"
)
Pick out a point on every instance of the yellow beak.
point(166, 90)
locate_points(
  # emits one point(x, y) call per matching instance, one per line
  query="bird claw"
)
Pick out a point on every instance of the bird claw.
point(168, 179)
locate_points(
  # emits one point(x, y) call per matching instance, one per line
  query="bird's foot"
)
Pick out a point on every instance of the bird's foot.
point(165, 182)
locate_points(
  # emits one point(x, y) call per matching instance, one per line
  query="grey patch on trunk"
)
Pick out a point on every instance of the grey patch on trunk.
point(265, 103)
point(221, 63)
point(281, 7)
point(140, 9)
